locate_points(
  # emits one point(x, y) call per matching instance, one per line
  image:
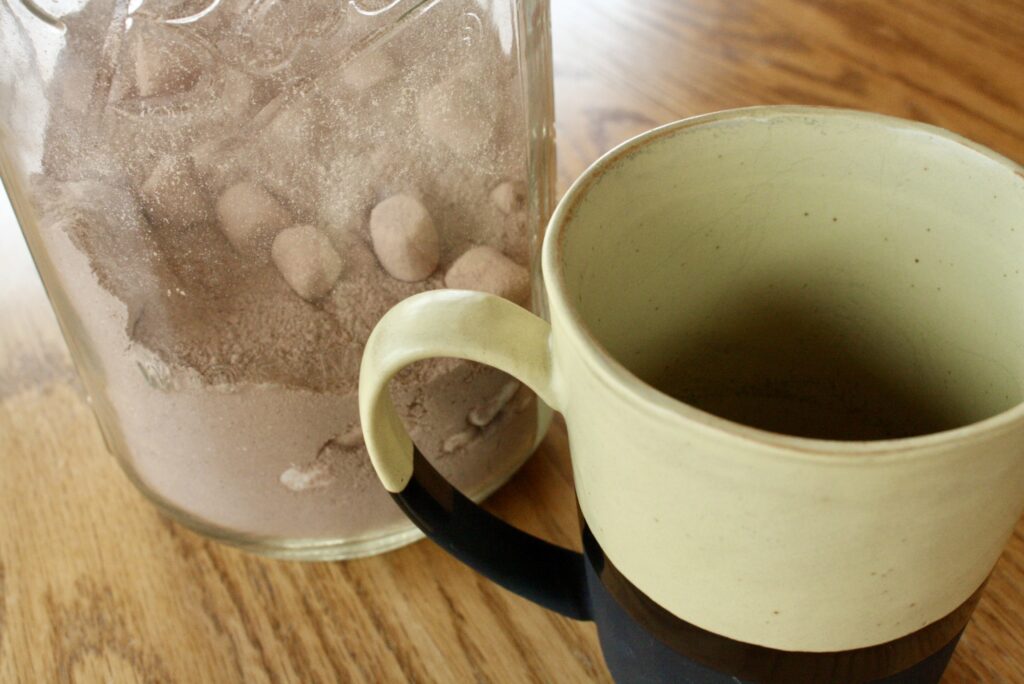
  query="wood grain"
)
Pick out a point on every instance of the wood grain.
point(95, 586)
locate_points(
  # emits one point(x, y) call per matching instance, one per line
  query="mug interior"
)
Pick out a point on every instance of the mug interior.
point(811, 272)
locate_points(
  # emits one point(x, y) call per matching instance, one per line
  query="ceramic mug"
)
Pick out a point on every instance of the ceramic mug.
point(788, 344)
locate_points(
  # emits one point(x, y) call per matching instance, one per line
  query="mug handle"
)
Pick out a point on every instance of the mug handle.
point(487, 329)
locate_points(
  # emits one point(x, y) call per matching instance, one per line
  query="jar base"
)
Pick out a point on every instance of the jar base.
point(320, 549)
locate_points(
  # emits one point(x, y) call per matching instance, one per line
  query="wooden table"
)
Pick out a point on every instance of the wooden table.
point(95, 586)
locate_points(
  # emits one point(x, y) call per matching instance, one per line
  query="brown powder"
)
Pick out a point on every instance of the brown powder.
point(132, 181)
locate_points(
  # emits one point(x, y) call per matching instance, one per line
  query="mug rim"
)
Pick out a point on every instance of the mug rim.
point(617, 377)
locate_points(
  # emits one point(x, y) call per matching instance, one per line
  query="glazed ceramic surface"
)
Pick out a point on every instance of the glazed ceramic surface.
point(903, 242)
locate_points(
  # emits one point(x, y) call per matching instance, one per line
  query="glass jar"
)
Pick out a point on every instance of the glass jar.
point(222, 197)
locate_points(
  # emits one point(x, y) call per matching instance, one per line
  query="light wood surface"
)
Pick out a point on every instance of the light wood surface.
point(95, 586)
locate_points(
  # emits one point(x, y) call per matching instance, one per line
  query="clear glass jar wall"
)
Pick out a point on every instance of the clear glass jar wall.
point(223, 197)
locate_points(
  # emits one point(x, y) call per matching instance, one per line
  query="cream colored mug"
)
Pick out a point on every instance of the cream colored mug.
point(788, 344)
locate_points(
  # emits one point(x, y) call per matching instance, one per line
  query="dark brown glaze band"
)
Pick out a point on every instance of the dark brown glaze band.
point(758, 663)
point(641, 641)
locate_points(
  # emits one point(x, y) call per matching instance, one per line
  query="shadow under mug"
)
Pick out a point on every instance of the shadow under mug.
point(788, 344)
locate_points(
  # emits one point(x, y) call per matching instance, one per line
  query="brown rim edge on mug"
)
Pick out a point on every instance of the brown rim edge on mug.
point(789, 348)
